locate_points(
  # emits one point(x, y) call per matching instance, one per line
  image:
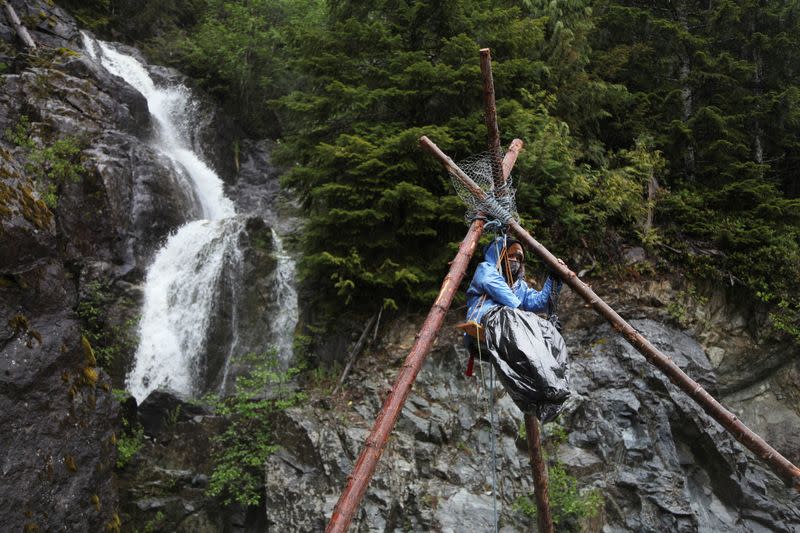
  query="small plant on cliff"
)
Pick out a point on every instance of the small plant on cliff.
point(110, 340)
point(50, 165)
point(571, 508)
point(243, 448)
point(129, 444)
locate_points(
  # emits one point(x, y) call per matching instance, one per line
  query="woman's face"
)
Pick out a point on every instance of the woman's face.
point(516, 258)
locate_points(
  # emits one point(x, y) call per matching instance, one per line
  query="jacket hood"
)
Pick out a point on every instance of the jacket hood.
point(492, 251)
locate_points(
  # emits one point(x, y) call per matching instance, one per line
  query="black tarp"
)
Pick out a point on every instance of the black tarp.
point(531, 359)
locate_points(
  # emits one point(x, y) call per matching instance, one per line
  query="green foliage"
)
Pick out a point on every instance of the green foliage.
point(569, 506)
point(153, 525)
point(681, 307)
point(714, 85)
point(376, 78)
point(702, 97)
point(110, 341)
point(50, 165)
point(20, 134)
point(235, 50)
point(242, 449)
point(129, 444)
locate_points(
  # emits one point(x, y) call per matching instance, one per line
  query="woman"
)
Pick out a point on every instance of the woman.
point(527, 351)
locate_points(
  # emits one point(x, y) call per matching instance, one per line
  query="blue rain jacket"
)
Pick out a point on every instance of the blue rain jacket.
point(489, 281)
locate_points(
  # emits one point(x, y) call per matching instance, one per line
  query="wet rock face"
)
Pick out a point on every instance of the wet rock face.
point(57, 411)
point(666, 464)
point(147, 197)
point(48, 25)
point(660, 463)
point(56, 407)
point(163, 487)
point(246, 307)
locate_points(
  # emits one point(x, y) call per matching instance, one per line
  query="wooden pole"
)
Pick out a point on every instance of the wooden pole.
point(511, 156)
point(376, 441)
point(782, 466)
point(543, 515)
point(21, 30)
point(365, 466)
point(500, 173)
point(490, 116)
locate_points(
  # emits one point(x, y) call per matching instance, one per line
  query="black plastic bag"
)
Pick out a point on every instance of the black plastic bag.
point(531, 359)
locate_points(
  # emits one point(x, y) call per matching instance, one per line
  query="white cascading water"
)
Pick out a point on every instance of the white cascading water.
point(283, 325)
point(180, 285)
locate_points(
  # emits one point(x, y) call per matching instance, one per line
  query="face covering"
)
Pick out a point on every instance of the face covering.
point(515, 267)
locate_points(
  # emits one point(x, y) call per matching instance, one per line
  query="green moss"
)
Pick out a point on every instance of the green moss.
point(67, 52)
point(95, 500)
point(113, 526)
point(108, 340)
point(50, 165)
point(88, 351)
point(33, 210)
point(19, 323)
point(90, 376)
point(69, 462)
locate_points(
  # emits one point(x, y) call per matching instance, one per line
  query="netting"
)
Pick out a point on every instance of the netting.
point(486, 170)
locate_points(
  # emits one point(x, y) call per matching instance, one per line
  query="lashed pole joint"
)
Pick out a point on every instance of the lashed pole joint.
point(782, 466)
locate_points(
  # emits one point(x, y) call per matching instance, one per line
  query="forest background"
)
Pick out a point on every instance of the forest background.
point(611, 97)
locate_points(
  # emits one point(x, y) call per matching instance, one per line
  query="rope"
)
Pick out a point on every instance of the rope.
point(491, 424)
point(492, 225)
point(494, 453)
point(483, 378)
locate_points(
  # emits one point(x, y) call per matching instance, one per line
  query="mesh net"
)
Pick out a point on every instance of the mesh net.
point(499, 203)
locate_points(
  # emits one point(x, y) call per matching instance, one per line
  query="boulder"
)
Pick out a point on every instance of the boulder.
point(161, 411)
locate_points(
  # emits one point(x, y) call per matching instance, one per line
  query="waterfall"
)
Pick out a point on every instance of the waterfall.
point(283, 325)
point(179, 297)
point(181, 283)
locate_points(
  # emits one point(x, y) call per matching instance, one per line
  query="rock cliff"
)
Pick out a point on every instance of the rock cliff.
point(85, 201)
point(630, 439)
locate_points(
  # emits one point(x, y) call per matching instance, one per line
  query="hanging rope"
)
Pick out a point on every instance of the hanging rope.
point(491, 425)
point(494, 453)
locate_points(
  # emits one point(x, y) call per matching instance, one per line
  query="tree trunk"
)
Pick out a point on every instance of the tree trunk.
point(354, 353)
point(21, 30)
point(652, 190)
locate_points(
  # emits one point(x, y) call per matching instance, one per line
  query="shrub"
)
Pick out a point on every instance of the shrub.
point(243, 448)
